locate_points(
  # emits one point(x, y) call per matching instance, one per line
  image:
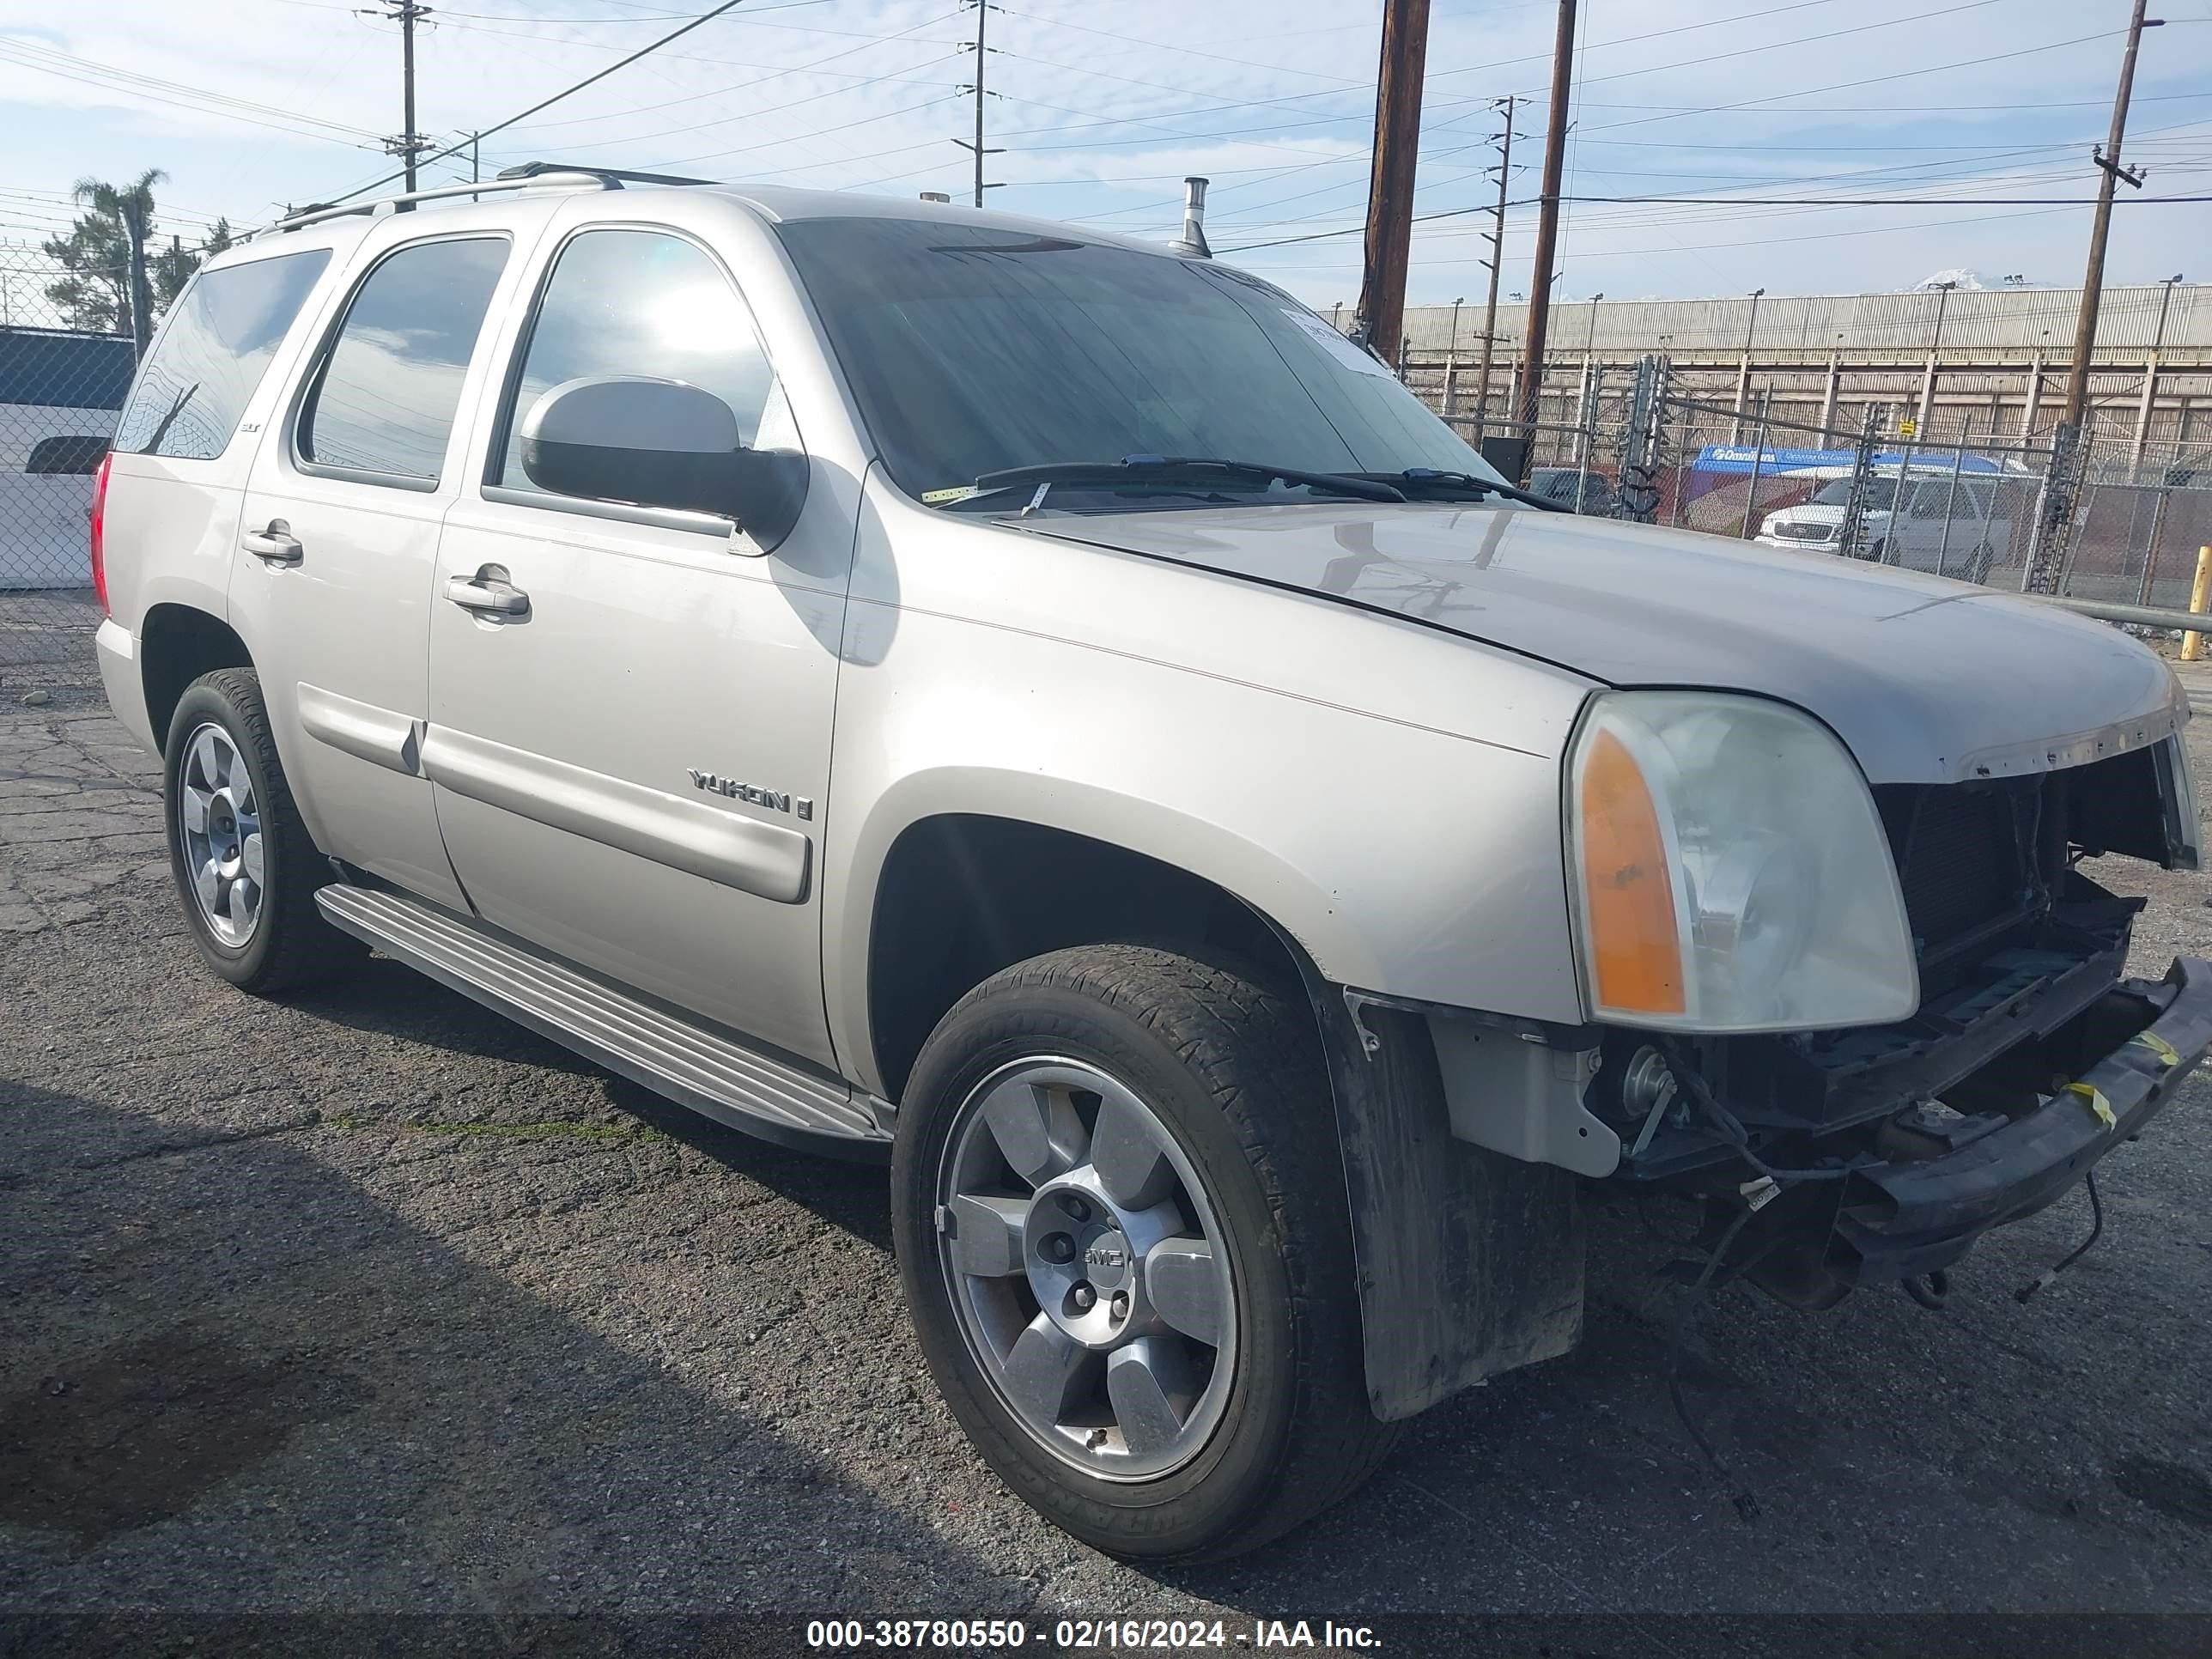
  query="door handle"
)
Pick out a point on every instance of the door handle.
point(275, 545)
point(489, 595)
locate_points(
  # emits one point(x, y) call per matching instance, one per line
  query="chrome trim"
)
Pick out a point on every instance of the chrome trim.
point(691, 835)
point(660, 518)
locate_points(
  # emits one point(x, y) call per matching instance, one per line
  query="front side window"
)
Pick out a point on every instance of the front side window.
point(639, 303)
point(213, 351)
point(385, 399)
point(975, 347)
point(1880, 494)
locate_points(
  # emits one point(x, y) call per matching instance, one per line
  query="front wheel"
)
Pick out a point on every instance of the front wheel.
point(1121, 1227)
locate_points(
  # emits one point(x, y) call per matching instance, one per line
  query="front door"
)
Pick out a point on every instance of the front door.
point(338, 538)
point(630, 708)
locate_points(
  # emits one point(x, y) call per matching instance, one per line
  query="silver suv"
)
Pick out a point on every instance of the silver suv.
point(1047, 712)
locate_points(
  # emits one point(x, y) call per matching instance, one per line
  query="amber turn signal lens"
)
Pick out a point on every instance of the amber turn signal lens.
point(1635, 955)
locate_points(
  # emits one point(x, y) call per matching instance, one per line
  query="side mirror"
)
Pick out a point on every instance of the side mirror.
point(654, 443)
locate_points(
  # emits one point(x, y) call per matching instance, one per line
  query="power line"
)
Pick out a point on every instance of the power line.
point(547, 103)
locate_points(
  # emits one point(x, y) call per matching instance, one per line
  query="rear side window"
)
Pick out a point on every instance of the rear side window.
point(213, 351)
point(382, 403)
point(639, 303)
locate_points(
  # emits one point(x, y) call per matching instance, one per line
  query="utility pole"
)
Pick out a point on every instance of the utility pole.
point(410, 143)
point(1390, 185)
point(983, 15)
point(1496, 258)
point(1547, 221)
point(2093, 281)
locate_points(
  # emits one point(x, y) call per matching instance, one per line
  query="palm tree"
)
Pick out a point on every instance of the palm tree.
point(132, 208)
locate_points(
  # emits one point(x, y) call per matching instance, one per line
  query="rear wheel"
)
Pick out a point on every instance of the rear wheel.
point(1121, 1225)
point(245, 866)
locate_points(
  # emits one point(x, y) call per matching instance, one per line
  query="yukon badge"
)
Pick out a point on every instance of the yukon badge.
point(775, 799)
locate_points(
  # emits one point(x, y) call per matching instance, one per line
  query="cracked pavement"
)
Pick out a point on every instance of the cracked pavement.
point(372, 1301)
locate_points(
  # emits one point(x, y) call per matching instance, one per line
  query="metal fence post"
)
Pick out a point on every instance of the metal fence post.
point(1853, 528)
point(1638, 492)
point(2151, 549)
point(1951, 498)
point(1586, 440)
point(1758, 454)
point(2054, 511)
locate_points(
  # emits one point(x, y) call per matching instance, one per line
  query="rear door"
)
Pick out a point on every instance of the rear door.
point(186, 438)
point(339, 536)
point(631, 772)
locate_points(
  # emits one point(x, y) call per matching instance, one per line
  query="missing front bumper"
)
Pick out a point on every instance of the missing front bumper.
point(1915, 1215)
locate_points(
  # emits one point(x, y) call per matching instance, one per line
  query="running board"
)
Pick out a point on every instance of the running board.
point(688, 1063)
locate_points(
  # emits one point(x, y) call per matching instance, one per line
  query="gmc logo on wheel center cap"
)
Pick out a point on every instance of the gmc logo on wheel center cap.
point(1100, 1255)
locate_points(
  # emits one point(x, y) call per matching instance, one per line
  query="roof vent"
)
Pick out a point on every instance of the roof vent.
point(1192, 243)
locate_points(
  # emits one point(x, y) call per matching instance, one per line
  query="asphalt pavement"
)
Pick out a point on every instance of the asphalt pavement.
point(372, 1302)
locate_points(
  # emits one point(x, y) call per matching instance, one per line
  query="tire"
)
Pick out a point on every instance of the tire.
point(223, 791)
point(1273, 1424)
point(1977, 567)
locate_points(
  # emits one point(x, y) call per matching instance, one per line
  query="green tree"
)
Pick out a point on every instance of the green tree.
point(94, 292)
point(174, 265)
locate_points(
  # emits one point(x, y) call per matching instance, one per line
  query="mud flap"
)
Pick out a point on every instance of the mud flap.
point(1470, 1263)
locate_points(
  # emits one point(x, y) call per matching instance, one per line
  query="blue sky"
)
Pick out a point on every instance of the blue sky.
point(250, 103)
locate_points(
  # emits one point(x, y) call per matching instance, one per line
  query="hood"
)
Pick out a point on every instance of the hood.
point(1927, 681)
point(1810, 512)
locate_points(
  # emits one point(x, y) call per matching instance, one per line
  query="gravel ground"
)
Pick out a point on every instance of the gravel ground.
point(376, 1303)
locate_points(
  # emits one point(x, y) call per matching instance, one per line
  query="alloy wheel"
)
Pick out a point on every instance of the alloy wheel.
point(1087, 1269)
point(219, 820)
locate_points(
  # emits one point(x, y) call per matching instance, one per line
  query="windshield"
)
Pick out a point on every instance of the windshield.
point(1880, 494)
point(973, 349)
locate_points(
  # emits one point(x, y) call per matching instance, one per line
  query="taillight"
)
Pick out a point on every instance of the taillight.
point(98, 528)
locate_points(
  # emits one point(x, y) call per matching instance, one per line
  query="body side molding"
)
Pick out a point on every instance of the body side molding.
point(381, 736)
point(711, 841)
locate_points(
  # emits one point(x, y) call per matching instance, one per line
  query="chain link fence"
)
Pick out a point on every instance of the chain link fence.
point(2111, 519)
point(61, 389)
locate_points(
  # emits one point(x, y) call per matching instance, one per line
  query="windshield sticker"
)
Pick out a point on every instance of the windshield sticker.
point(1353, 357)
point(940, 497)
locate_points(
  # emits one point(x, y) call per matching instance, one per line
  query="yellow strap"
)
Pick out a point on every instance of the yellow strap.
point(2167, 1052)
point(2098, 1103)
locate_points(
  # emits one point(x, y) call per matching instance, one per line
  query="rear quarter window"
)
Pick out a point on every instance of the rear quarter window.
point(211, 354)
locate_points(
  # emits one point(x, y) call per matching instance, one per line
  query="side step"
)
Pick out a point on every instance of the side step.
point(689, 1063)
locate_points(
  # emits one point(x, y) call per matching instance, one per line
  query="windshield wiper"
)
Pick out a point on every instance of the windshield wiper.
point(1169, 471)
point(1429, 484)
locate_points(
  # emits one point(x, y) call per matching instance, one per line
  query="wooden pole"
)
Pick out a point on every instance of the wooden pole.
point(1390, 185)
point(2093, 281)
point(1548, 222)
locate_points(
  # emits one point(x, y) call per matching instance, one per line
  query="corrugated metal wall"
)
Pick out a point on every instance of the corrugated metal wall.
point(2014, 322)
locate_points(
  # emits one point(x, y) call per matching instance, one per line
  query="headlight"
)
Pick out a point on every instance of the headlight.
point(1729, 870)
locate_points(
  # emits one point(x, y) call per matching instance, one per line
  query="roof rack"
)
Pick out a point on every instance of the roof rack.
point(540, 170)
point(531, 175)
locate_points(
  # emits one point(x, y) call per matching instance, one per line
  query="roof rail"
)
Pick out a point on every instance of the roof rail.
point(540, 170)
point(595, 177)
